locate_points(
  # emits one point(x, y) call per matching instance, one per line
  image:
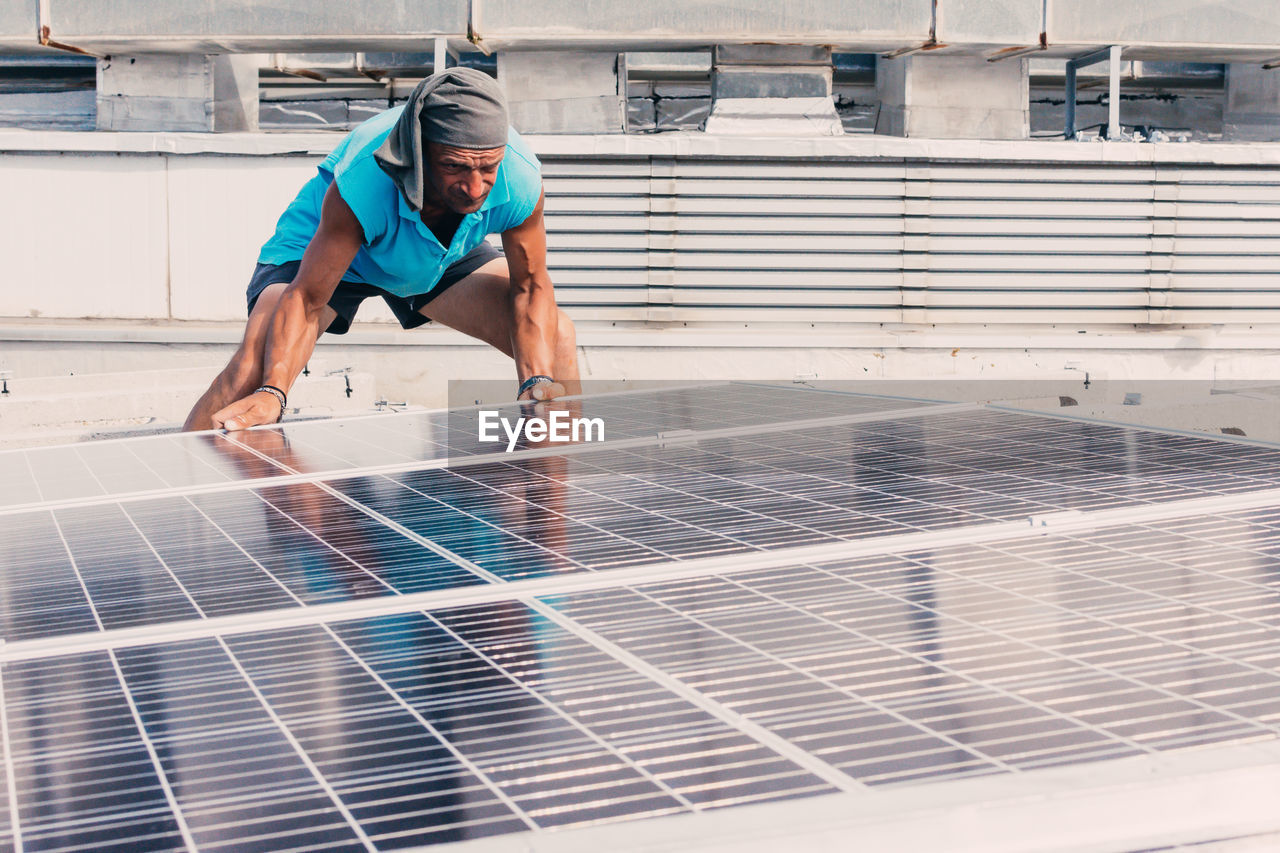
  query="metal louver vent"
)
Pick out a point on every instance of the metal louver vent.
point(901, 241)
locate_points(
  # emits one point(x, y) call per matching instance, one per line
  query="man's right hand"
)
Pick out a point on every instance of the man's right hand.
point(543, 392)
point(260, 407)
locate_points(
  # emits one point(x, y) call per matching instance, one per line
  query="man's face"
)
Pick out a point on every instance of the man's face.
point(460, 178)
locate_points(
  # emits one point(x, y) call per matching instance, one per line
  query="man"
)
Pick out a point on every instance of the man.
point(400, 210)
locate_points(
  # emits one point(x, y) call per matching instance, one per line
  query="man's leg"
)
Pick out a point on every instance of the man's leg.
point(244, 372)
point(480, 306)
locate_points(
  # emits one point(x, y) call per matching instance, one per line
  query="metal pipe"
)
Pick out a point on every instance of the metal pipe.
point(1069, 131)
point(1113, 108)
point(441, 59)
point(905, 51)
point(278, 63)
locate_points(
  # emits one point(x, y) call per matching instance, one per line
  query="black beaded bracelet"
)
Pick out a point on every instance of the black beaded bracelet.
point(280, 396)
point(532, 381)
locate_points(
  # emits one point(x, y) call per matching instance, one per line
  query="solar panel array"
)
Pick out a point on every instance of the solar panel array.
point(305, 639)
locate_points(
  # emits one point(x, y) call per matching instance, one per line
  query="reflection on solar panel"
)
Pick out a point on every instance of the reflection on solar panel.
point(178, 463)
point(325, 640)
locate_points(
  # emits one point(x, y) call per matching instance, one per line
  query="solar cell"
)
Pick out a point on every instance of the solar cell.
point(928, 665)
point(85, 780)
point(257, 549)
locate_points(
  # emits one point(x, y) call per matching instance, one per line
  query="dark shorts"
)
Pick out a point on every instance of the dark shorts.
point(347, 297)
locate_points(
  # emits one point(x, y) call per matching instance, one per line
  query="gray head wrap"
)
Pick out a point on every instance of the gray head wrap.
point(461, 107)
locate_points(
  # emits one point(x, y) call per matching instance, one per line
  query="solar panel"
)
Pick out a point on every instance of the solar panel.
point(238, 549)
point(616, 507)
point(412, 438)
point(200, 556)
point(413, 728)
point(399, 655)
point(975, 659)
point(268, 547)
point(97, 470)
point(88, 472)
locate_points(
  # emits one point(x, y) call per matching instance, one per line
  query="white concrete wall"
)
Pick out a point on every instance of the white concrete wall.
point(563, 91)
point(84, 235)
point(953, 97)
point(166, 227)
point(141, 235)
point(220, 209)
point(418, 366)
point(1252, 106)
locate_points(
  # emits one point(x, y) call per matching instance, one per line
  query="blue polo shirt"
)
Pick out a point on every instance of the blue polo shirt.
point(400, 254)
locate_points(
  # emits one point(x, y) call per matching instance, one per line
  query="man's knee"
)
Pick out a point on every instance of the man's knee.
point(498, 266)
point(566, 334)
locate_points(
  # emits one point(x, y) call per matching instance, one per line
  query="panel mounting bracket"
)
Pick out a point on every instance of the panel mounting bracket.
point(1112, 55)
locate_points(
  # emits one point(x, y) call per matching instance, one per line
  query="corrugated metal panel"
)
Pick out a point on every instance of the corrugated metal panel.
point(597, 214)
point(725, 240)
point(710, 238)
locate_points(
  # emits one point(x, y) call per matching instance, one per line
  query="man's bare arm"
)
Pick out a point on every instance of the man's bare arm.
point(295, 324)
point(533, 301)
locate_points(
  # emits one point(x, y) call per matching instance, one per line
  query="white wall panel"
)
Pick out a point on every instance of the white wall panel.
point(221, 210)
point(659, 24)
point(84, 236)
point(229, 26)
point(707, 238)
point(1201, 24)
point(18, 26)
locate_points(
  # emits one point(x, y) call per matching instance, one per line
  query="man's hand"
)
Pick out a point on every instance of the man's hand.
point(545, 410)
point(543, 391)
point(260, 407)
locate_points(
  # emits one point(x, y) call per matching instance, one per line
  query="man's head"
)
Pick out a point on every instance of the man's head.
point(448, 143)
point(460, 178)
point(464, 126)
